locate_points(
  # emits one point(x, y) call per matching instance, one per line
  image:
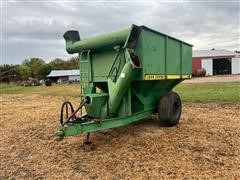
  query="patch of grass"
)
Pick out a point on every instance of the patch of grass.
point(201, 92)
point(55, 90)
point(209, 92)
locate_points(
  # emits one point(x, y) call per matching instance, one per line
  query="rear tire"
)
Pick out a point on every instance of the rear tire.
point(170, 108)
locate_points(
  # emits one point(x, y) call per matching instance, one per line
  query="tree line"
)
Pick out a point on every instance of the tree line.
point(35, 68)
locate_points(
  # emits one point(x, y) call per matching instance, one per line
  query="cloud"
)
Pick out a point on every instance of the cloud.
point(35, 28)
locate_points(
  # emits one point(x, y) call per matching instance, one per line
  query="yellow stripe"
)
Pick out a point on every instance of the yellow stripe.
point(173, 76)
point(154, 77)
point(186, 76)
point(161, 76)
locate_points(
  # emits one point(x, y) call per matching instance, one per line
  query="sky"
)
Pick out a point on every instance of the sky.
point(35, 28)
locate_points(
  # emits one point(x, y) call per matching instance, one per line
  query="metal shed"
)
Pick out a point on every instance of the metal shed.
point(65, 75)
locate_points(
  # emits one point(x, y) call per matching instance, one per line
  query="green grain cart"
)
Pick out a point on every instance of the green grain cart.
point(125, 76)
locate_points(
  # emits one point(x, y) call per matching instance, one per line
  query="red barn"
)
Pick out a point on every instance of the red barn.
point(216, 61)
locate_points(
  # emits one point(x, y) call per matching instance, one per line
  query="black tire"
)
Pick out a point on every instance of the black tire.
point(170, 108)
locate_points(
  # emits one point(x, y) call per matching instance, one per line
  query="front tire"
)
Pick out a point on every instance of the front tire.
point(170, 108)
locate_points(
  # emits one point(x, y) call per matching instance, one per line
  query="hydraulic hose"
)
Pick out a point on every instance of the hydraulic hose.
point(83, 102)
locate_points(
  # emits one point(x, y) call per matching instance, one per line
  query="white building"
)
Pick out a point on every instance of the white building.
point(65, 75)
point(216, 61)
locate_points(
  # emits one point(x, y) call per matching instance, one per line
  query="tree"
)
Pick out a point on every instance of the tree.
point(24, 71)
point(8, 72)
point(34, 64)
point(58, 64)
point(73, 62)
point(42, 71)
point(35, 67)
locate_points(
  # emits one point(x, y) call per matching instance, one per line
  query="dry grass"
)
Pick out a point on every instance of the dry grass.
point(206, 144)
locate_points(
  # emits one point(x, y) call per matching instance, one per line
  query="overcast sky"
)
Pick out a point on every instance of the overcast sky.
point(35, 28)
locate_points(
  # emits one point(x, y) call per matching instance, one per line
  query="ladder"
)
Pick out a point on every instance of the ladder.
point(85, 67)
point(85, 71)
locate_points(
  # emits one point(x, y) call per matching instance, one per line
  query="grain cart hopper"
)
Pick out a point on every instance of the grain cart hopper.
point(125, 76)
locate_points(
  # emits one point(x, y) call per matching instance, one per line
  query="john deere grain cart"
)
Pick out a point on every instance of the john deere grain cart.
point(125, 76)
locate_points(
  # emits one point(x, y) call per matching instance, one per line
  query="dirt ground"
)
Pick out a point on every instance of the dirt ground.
point(218, 78)
point(206, 144)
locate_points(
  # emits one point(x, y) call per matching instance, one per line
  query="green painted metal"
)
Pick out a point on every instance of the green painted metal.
point(125, 73)
point(85, 66)
point(118, 90)
point(98, 100)
point(161, 54)
point(74, 129)
point(108, 40)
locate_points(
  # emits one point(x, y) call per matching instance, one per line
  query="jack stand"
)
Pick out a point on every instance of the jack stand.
point(87, 145)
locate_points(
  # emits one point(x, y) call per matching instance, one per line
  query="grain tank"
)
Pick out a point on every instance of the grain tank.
point(125, 76)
